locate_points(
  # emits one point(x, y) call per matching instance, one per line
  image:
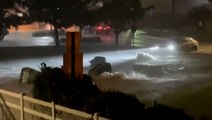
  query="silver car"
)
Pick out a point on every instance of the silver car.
point(186, 44)
point(181, 44)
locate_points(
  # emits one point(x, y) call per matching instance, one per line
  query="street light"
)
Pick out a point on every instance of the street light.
point(172, 13)
point(172, 7)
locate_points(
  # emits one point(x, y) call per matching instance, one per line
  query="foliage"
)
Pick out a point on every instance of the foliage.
point(121, 14)
point(201, 17)
point(13, 13)
point(53, 85)
point(65, 13)
point(60, 14)
point(200, 13)
point(119, 106)
point(166, 113)
point(6, 4)
point(118, 13)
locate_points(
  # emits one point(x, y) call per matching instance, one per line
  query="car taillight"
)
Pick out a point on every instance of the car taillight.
point(108, 27)
point(99, 28)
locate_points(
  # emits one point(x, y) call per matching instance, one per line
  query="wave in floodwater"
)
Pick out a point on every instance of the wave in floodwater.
point(138, 76)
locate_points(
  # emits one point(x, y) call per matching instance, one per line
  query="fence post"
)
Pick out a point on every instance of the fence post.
point(22, 106)
point(53, 111)
point(96, 116)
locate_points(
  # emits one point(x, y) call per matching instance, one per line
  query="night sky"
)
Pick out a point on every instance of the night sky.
point(181, 6)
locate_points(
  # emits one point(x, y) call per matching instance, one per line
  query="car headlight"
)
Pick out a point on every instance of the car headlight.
point(154, 48)
point(170, 47)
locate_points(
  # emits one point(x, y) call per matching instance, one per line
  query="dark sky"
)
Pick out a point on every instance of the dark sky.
point(181, 6)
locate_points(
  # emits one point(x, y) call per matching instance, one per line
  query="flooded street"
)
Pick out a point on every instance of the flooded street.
point(150, 76)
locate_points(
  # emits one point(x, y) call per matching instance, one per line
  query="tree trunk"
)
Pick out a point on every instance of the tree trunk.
point(133, 30)
point(116, 38)
point(80, 31)
point(56, 33)
point(56, 36)
point(133, 39)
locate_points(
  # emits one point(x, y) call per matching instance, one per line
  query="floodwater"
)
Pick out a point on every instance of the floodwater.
point(150, 75)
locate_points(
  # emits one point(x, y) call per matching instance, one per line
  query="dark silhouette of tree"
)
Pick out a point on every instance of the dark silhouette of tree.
point(53, 85)
point(120, 14)
point(12, 13)
point(164, 112)
point(59, 13)
point(10, 9)
point(4, 4)
point(200, 16)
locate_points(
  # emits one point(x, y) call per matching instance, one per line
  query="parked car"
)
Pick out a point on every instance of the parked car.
point(102, 28)
point(188, 44)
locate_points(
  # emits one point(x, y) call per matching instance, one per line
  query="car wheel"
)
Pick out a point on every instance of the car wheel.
point(194, 48)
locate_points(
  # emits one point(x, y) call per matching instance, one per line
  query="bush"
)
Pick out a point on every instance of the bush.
point(166, 113)
point(119, 106)
point(53, 85)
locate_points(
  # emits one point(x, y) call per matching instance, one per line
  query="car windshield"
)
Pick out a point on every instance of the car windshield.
point(179, 39)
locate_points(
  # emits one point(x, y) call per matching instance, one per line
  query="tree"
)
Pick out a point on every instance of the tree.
point(59, 13)
point(12, 13)
point(13, 8)
point(5, 4)
point(120, 14)
point(200, 15)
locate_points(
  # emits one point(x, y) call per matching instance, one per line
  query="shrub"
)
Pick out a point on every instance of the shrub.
point(166, 113)
point(52, 84)
point(119, 106)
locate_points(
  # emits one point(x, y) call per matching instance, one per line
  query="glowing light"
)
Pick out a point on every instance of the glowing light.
point(108, 27)
point(154, 48)
point(20, 14)
point(99, 28)
point(170, 47)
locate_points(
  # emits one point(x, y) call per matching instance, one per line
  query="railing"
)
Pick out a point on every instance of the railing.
point(6, 113)
point(15, 106)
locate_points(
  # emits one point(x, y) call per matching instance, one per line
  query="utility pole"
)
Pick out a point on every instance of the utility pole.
point(172, 7)
point(172, 14)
